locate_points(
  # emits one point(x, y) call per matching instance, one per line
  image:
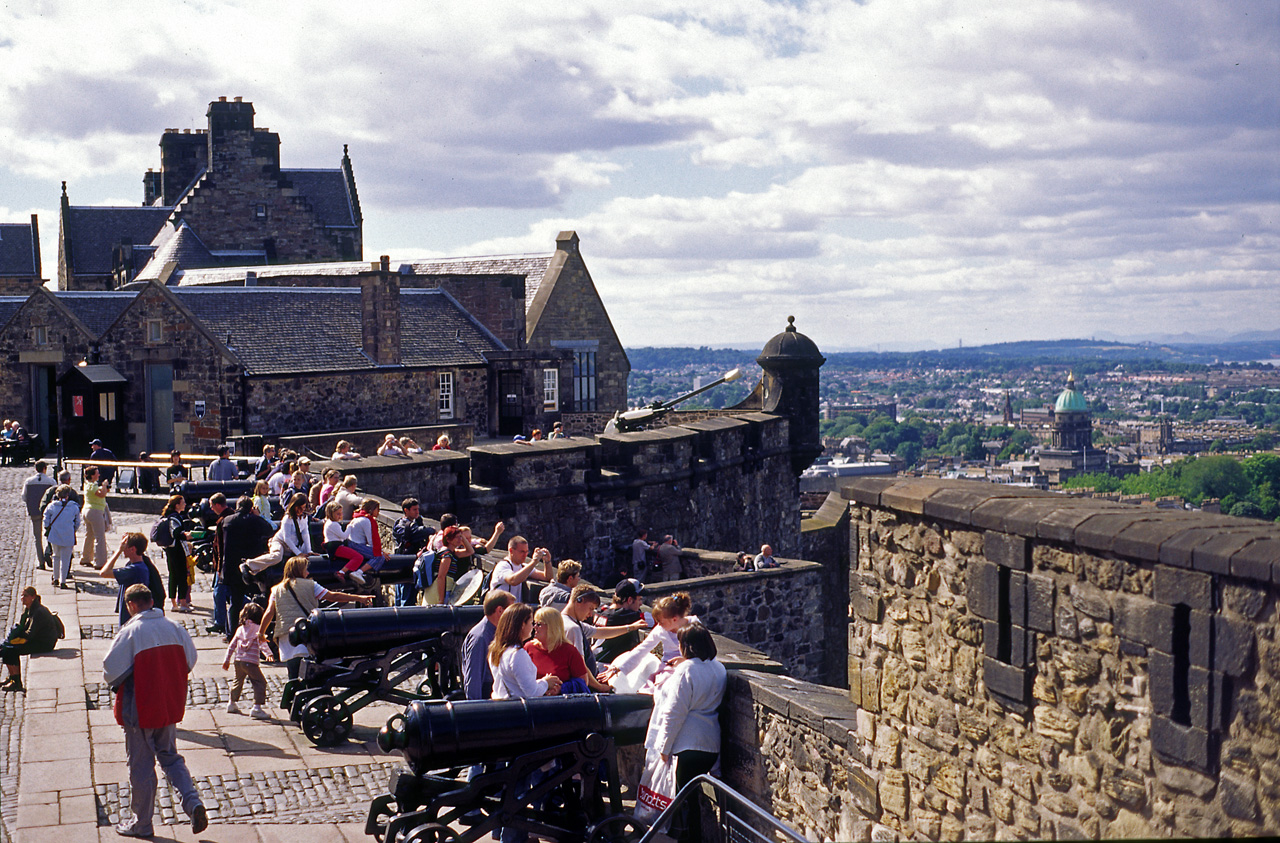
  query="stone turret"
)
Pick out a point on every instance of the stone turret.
point(790, 388)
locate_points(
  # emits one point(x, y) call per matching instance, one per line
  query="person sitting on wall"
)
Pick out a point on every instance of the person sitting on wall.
point(443, 443)
point(411, 534)
point(223, 468)
point(764, 559)
point(175, 474)
point(536, 435)
point(409, 446)
point(342, 451)
point(557, 431)
point(390, 447)
point(364, 538)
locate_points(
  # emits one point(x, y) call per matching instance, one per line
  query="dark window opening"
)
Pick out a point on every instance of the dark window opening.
point(1181, 663)
point(1004, 641)
point(584, 381)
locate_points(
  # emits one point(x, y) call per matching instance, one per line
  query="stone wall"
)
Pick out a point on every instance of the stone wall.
point(337, 400)
point(1026, 665)
point(68, 343)
point(720, 484)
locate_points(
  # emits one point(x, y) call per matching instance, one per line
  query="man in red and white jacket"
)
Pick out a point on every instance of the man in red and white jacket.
point(153, 653)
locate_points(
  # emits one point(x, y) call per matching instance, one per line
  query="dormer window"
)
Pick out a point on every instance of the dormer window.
point(155, 330)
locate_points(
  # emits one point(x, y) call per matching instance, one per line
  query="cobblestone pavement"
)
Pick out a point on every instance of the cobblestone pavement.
point(62, 766)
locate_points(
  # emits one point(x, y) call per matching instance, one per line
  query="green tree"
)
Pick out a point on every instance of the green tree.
point(1214, 477)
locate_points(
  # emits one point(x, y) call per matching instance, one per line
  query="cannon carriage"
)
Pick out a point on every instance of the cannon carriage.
point(549, 768)
point(360, 656)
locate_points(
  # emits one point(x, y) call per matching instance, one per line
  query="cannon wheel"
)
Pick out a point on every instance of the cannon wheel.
point(619, 828)
point(325, 721)
point(431, 833)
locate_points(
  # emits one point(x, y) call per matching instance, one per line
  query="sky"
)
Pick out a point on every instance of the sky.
point(894, 173)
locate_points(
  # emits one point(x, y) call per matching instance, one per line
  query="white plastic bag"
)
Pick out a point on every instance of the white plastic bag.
point(657, 787)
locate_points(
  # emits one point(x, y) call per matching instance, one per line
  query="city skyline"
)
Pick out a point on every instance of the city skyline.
point(911, 174)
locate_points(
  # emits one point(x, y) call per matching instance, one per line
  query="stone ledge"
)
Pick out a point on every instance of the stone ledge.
point(1238, 547)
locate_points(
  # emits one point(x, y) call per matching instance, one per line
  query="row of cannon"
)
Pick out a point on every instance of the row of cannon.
point(547, 766)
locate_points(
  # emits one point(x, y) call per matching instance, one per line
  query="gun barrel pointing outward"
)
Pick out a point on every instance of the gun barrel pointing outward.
point(633, 420)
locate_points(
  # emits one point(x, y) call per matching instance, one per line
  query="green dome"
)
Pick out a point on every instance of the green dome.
point(1070, 400)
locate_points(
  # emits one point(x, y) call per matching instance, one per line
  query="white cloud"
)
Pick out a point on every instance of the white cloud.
point(896, 169)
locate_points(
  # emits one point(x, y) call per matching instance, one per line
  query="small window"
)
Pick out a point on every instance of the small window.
point(260, 211)
point(584, 382)
point(41, 335)
point(107, 406)
point(155, 330)
point(550, 389)
point(446, 395)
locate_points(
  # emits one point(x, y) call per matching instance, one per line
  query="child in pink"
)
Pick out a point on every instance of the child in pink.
point(245, 650)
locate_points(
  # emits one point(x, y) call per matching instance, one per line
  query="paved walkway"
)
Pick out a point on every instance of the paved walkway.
point(62, 771)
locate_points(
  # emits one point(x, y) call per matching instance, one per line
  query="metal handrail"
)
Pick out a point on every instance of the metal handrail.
point(740, 818)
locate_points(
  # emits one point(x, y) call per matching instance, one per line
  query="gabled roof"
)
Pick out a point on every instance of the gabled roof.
point(97, 310)
point(10, 305)
point(17, 255)
point(326, 192)
point(94, 231)
point(174, 243)
point(282, 330)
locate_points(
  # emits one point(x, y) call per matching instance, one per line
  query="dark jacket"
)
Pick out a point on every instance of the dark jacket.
point(411, 535)
point(244, 536)
point(38, 627)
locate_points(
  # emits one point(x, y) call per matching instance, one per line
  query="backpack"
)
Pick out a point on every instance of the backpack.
point(59, 625)
point(162, 533)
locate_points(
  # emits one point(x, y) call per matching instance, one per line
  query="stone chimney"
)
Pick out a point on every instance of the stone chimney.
point(380, 313)
point(230, 133)
point(567, 242)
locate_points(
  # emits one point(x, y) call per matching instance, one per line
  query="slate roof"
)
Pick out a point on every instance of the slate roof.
point(283, 330)
point(97, 310)
point(94, 231)
point(532, 267)
point(17, 257)
point(9, 305)
point(326, 191)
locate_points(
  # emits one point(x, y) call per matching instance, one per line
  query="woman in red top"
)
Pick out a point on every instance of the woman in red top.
point(553, 653)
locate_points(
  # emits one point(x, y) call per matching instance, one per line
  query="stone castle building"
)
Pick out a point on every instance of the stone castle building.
point(220, 198)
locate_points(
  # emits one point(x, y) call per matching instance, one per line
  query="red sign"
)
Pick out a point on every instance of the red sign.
point(77, 406)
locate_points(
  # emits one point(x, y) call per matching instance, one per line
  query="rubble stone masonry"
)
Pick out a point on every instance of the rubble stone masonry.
point(1024, 665)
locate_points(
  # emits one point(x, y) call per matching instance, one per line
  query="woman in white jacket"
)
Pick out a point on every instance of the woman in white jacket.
point(295, 529)
point(686, 721)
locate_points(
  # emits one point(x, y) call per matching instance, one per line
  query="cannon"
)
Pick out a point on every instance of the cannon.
point(550, 767)
point(398, 568)
point(359, 656)
point(197, 490)
point(632, 420)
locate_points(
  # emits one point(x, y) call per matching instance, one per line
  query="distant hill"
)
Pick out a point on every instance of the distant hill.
point(1265, 346)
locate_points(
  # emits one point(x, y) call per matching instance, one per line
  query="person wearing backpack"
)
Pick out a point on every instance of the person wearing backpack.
point(61, 520)
point(37, 631)
point(167, 534)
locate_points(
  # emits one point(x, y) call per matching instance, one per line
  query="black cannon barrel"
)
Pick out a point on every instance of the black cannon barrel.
point(398, 568)
point(337, 633)
point(438, 734)
point(195, 490)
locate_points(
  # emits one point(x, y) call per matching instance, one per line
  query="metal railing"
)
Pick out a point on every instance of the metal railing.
point(737, 819)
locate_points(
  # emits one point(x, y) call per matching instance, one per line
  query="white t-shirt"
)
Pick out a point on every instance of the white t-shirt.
point(502, 572)
point(334, 532)
point(290, 651)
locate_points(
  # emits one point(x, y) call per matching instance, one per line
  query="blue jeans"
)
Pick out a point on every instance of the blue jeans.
point(375, 562)
point(221, 597)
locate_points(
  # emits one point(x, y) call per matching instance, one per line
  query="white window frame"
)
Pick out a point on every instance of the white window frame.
point(155, 330)
point(445, 384)
point(550, 389)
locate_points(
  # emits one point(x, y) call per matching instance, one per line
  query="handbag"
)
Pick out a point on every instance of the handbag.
point(657, 787)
